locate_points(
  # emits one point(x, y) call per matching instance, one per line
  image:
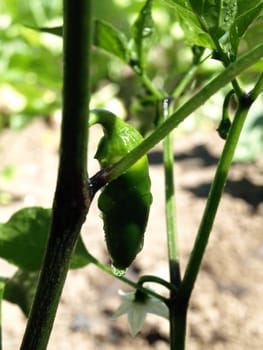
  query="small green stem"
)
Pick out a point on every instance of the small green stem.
point(214, 196)
point(237, 88)
point(170, 213)
point(158, 280)
point(258, 87)
point(149, 85)
point(177, 314)
point(185, 81)
point(226, 62)
point(127, 281)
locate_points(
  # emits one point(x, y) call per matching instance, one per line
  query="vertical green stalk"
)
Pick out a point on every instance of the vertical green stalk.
point(71, 200)
point(171, 232)
point(258, 87)
point(177, 308)
point(214, 196)
point(170, 203)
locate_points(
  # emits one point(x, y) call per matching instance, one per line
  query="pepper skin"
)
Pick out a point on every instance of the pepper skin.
point(124, 202)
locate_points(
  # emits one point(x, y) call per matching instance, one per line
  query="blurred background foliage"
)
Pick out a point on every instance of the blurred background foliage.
point(31, 66)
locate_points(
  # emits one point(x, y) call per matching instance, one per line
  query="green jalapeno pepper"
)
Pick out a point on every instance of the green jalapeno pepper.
point(125, 201)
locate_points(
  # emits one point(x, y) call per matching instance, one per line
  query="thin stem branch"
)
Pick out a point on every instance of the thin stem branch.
point(71, 199)
point(185, 81)
point(258, 87)
point(214, 196)
point(158, 280)
point(170, 213)
point(127, 281)
point(147, 82)
point(177, 314)
point(184, 111)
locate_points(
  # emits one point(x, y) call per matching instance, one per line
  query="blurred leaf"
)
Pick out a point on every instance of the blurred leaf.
point(110, 39)
point(216, 16)
point(52, 30)
point(30, 74)
point(194, 33)
point(250, 144)
point(33, 12)
point(7, 173)
point(247, 13)
point(226, 21)
point(253, 36)
point(23, 240)
point(81, 257)
point(142, 29)
point(106, 37)
point(2, 287)
point(20, 289)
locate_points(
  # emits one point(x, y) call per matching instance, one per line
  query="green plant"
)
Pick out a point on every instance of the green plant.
point(215, 30)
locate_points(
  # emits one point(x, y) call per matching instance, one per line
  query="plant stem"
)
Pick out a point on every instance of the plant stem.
point(177, 315)
point(178, 308)
point(71, 200)
point(258, 87)
point(170, 214)
point(214, 196)
point(158, 280)
point(185, 110)
point(147, 82)
point(131, 283)
point(185, 81)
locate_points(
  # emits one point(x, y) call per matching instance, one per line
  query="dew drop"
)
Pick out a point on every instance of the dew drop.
point(147, 31)
point(118, 272)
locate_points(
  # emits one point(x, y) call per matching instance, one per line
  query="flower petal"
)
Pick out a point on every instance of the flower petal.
point(122, 309)
point(158, 308)
point(136, 317)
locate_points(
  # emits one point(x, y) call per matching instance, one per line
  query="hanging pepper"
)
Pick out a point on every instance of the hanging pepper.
point(125, 201)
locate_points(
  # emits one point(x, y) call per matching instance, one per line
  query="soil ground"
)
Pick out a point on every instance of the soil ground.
point(226, 310)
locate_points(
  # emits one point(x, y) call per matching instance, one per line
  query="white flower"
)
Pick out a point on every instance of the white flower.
point(137, 305)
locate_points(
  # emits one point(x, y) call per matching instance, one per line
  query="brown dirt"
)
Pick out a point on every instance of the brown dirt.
point(226, 309)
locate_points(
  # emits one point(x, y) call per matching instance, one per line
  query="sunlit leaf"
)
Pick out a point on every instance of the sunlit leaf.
point(248, 12)
point(188, 19)
point(106, 37)
point(142, 29)
point(110, 39)
point(226, 21)
point(23, 240)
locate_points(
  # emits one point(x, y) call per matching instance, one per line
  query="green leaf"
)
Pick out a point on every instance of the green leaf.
point(226, 21)
point(2, 287)
point(106, 37)
point(142, 29)
point(248, 12)
point(253, 36)
point(23, 240)
point(110, 39)
point(52, 30)
point(81, 257)
point(187, 15)
point(20, 289)
point(250, 144)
